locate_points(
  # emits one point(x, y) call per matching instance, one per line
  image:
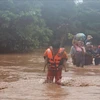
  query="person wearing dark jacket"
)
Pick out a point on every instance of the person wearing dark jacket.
point(96, 55)
point(88, 55)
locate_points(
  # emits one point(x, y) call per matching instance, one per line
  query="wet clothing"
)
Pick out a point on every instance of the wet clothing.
point(96, 55)
point(57, 74)
point(80, 59)
point(78, 49)
point(88, 59)
point(72, 50)
point(72, 53)
point(55, 63)
point(88, 55)
point(79, 56)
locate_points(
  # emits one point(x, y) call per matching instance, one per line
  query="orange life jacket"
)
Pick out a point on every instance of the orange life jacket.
point(54, 61)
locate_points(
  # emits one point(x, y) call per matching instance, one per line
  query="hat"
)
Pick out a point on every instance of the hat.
point(89, 37)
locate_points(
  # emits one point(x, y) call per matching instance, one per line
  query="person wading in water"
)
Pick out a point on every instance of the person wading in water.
point(56, 59)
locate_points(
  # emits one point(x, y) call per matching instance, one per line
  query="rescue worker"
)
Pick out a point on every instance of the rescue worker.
point(56, 59)
point(45, 58)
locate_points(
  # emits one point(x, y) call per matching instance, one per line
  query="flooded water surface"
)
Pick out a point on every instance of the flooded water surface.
point(22, 78)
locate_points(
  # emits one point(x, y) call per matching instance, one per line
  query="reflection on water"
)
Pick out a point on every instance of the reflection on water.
point(21, 78)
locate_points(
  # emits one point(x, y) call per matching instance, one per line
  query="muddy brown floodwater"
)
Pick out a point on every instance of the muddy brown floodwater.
point(21, 78)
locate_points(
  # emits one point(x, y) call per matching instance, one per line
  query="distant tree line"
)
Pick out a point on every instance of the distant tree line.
point(29, 24)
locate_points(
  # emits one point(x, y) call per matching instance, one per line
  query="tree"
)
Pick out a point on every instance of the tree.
point(90, 18)
point(59, 16)
point(21, 25)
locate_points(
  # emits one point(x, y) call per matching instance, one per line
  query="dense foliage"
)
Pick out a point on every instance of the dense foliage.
point(21, 25)
point(28, 24)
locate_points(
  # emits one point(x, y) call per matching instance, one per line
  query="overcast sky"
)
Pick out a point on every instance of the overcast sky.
point(78, 1)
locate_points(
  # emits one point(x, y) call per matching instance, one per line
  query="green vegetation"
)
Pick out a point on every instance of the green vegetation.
point(29, 24)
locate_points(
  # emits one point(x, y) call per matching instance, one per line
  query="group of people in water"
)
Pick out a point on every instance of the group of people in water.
point(82, 53)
